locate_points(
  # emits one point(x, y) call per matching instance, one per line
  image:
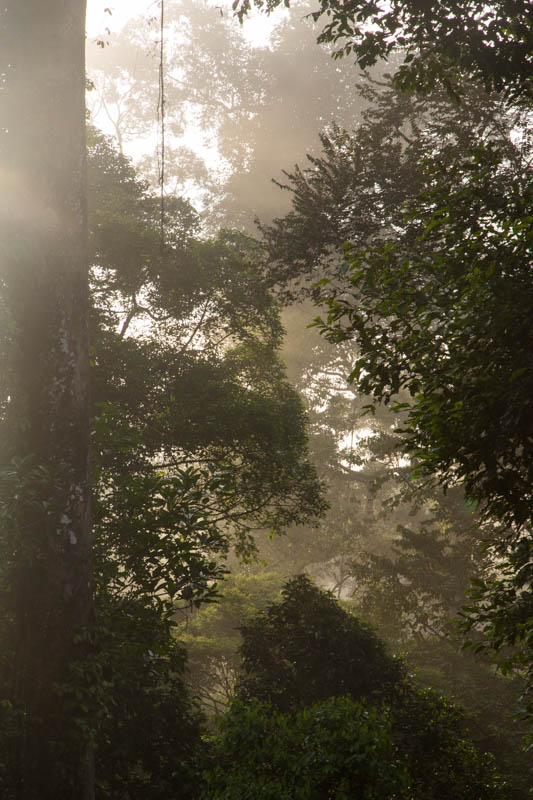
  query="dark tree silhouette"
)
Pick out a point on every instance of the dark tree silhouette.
point(46, 503)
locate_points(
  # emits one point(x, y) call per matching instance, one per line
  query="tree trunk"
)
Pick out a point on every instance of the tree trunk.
point(44, 248)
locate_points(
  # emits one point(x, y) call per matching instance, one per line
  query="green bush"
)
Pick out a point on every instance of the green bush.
point(336, 749)
point(307, 649)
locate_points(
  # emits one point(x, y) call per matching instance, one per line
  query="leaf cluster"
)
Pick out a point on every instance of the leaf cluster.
point(443, 42)
point(337, 748)
point(305, 649)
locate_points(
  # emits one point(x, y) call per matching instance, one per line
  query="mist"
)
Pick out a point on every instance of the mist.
point(297, 339)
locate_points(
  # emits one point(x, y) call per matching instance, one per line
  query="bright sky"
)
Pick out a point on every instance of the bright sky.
point(257, 27)
point(98, 19)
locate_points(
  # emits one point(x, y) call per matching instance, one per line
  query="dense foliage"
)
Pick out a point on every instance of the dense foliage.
point(198, 439)
point(432, 293)
point(412, 227)
point(337, 748)
point(186, 364)
point(306, 649)
point(442, 310)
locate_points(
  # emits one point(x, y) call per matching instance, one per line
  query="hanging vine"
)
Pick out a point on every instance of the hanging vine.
point(161, 123)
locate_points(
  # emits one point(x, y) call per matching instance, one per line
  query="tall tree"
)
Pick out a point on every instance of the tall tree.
point(354, 191)
point(46, 500)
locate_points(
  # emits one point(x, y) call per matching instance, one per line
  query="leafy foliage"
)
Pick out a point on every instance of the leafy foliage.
point(306, 648)
point(200, 383)
point(337, 748)
point(454, 289)
point(197, 439)
point(212, 639)
point(355, 189)
point(148, 731)
point(442, 40)
point(443, 312)
point(434, 303)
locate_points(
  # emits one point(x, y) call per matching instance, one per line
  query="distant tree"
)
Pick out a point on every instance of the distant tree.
point(237, 97)
point(356, 457)
point(306, 648)
point(212, 639)
point(415, 591)
point(45, 470)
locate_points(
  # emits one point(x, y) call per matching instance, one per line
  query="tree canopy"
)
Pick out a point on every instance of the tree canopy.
point(337, 748)
point(432, 288)
point(411, 227)
point(442, 309)
point(305, 649)
point(441, 41)
point(197, 440)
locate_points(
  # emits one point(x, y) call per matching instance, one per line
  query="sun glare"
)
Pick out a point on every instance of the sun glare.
point(105, 15)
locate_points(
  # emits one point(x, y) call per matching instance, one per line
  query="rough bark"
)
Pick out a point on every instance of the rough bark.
point(44, 251)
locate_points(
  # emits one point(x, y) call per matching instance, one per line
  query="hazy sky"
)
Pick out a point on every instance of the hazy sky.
point(121, 10)
point(257, 28)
